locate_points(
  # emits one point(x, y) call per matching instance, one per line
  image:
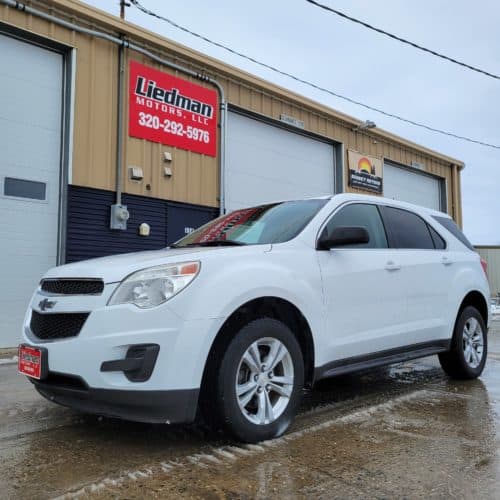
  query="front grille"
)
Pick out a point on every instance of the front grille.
point(73, 286)
point(57, 326)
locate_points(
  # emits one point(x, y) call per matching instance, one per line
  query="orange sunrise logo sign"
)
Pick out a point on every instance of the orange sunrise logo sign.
point(365, 165)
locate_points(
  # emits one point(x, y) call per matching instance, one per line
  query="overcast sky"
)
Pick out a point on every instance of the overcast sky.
point(353, 61)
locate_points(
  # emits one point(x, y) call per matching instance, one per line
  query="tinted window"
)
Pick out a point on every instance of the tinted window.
point(273, 223)
point(407, 230)
point(360, 215)
point(454, 230)
point(24, 189)
point(439, 243)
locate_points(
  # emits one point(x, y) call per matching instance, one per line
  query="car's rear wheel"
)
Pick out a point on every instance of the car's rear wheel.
point(260, 381)
point(469, 346)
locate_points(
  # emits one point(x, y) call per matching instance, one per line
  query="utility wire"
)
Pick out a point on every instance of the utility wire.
point(402, 40)
point(308, 83)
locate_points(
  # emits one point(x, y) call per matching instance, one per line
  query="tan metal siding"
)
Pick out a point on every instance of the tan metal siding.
point(492, 256)
point(94, 156)
point(195, 177)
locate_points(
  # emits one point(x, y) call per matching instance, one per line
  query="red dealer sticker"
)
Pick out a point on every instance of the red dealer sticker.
point(173, 111)
point(228, 224)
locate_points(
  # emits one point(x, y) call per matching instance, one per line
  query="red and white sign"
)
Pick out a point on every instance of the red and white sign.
point(173, 111)
point(30, 361)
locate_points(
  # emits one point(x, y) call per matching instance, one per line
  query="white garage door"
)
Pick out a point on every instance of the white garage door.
point(267, 163)
point(30, 143)
point(412, 186)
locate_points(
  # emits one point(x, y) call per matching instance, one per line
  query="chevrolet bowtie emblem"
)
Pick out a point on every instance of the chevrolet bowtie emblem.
point(46, 304)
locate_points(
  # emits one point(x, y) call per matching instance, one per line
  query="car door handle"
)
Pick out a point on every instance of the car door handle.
point(446, 260)
point(392, 266)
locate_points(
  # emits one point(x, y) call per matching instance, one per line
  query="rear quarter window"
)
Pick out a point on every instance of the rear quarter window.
point(439, 242)
point(450, 225)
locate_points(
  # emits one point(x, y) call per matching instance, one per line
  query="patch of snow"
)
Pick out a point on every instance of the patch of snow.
point(9, 361)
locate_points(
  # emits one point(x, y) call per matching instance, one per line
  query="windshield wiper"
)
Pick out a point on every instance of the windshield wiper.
point(214, 243)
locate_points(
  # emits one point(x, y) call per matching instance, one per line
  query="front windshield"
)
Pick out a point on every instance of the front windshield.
point(273, 223)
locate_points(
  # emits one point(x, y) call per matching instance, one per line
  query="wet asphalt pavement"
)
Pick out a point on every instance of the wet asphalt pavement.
point(403, 431)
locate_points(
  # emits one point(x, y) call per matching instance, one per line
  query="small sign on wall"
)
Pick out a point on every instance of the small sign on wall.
point(290, 120)
point(365, 172)
point(166, 109)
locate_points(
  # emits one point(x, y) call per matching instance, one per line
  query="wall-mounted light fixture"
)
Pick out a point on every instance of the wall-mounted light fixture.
point(364, 126)
point(135, 173)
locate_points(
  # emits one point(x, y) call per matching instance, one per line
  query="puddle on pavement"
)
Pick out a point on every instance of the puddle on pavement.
point(436, 445)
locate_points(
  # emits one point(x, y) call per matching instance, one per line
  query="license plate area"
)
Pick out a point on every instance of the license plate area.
point(33, 361)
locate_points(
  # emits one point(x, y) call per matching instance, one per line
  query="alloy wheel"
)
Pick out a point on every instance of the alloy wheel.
point(473, 342)
point(264, 381)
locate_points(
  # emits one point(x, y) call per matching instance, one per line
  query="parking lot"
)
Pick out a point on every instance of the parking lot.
point(402, 431)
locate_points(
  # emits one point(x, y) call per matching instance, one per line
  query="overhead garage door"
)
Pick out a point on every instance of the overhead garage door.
point(267, 163)
point(412, 186)
point(30, 143)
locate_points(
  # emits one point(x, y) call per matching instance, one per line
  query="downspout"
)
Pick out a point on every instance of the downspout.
point(119, 124)
point(119, 213)
point(137, 48)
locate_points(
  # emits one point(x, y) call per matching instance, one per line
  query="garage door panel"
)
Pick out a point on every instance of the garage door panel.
point(412, 186)
point(21, 109)
point(42, 150)
point(267, 163)
point(268, 191)
point(30, 140)
point(25, 62)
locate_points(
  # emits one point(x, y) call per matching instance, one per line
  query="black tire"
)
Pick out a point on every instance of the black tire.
point(229, 415)
point(454, 361)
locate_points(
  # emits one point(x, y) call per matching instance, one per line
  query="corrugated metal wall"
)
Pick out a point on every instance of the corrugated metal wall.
point(195, 177)
point(89, 235)
point(492, 256)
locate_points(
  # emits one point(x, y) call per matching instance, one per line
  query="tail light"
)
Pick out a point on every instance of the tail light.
point(484, 265)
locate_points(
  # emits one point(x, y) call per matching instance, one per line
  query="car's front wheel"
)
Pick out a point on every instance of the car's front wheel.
point(260, 381)
point(469, 346)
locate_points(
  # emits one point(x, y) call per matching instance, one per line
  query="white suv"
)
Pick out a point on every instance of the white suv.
point(233, 320)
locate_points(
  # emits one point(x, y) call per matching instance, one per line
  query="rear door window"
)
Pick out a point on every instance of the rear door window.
point(360, 215)
point(454, 230)
point(406, 229)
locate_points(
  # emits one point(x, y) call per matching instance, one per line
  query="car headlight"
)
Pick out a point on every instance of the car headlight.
point(155, 285)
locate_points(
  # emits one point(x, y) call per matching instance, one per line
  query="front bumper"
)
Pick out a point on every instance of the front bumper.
point(97, 357)
point(170, 407)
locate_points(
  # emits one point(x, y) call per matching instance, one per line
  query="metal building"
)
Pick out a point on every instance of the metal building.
point(491, 254)
point(101, 120)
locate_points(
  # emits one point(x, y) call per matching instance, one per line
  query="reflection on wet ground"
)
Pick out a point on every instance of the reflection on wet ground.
point(405, 431)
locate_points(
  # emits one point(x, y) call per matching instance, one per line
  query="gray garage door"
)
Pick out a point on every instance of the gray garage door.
point(412, 186)
point(267, 163)
point(30, 143)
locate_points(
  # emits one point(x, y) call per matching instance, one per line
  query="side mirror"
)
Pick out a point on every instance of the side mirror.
point(344, 235)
